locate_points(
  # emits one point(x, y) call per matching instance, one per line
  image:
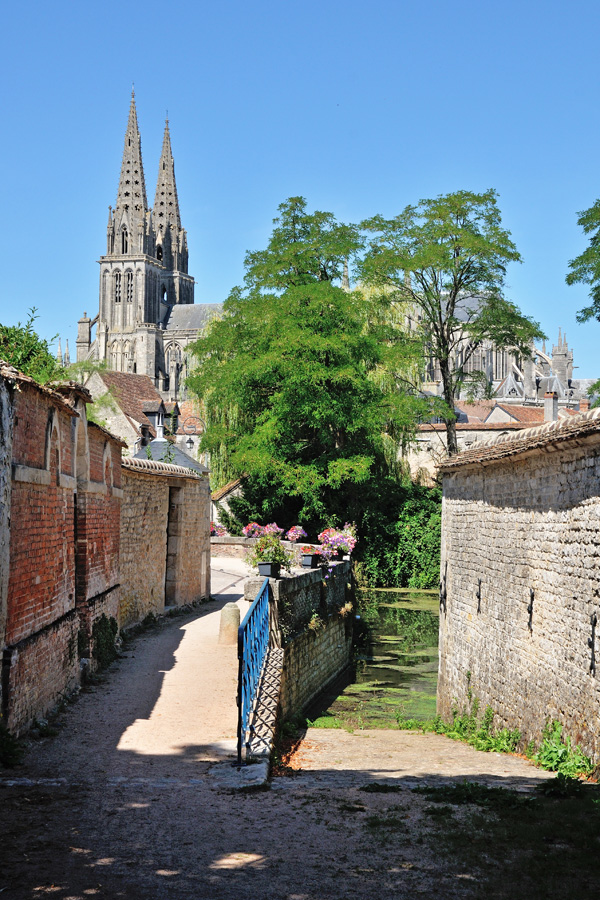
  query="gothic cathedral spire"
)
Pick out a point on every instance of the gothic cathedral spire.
point(129, 227)
point(166, 204)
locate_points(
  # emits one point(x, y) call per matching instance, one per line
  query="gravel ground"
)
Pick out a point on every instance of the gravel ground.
point(124, 801)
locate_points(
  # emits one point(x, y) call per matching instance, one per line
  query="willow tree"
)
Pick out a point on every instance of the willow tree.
point(290, 376)
point(447, 259)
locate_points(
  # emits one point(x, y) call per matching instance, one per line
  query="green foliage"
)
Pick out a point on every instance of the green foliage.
point(22, 348)
point(559, 755)
point(104, 633)
point(466, 726)
point(585, 268)
point(446, 258)
point(290, 376)
point(268, 548)
point(562, 786)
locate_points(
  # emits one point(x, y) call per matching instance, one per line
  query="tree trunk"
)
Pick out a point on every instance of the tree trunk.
point(451, 443)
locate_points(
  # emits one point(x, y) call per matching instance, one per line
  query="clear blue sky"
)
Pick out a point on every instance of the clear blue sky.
point(361, 107)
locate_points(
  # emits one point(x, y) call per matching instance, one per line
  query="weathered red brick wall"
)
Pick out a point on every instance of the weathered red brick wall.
point(63, 549)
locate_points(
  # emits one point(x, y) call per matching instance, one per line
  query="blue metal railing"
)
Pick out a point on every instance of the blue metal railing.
point(253, 642)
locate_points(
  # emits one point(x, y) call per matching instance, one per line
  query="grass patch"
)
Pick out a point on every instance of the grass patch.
point(542, 847)
point(376, 787)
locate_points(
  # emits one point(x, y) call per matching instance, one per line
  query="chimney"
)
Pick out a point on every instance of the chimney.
point(550, 406)
point(584, 405)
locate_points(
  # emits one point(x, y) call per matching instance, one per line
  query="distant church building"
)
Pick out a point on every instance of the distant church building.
point(146, 315)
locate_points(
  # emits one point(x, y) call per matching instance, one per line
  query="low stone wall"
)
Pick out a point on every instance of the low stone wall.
point(520, 597)
point(311, 661)
point(237, 547)
point(315, 653)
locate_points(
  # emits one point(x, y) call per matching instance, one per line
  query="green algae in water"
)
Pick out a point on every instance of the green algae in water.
point(396, 656)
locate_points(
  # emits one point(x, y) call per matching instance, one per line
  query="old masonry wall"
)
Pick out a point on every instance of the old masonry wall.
point(520, 579)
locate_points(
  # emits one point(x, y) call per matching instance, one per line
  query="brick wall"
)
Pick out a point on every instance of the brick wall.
point(165, 539)
point(521, 516)
point(6, 426)
point(62, 552)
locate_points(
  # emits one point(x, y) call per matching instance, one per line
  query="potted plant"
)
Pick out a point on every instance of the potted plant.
point(335, 543)
point(295, 532)
point(309, 557)
point(269, 556)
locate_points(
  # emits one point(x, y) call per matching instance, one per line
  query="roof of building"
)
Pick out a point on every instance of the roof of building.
point(159, 449)
point(152, 466)
point(475, 411)
point(131, 393)
point(527, 415)
point(472, 426)
point(551, 434)
point(227, 488)
point(189, 420)
point(191, 316)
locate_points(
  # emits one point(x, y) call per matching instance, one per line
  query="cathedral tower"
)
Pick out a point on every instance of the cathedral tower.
point(143, 273)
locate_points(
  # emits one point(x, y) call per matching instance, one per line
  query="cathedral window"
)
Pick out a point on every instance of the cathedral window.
point(159, 252)
point(129, 287)
point(124, 241)
point(117, 287)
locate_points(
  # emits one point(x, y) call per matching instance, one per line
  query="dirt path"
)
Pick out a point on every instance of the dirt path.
point(122, 802)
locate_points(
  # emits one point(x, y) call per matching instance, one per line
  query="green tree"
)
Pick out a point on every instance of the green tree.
point(23, 348)
point(290, 377)
point(585, 268)
point(447, 259)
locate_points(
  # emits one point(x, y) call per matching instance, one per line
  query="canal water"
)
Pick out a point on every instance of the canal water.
point(396, 663)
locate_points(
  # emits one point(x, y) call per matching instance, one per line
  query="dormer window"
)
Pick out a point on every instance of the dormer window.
point(124, 241)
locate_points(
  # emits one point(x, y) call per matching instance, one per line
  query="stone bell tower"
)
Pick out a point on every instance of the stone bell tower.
point(144, 271)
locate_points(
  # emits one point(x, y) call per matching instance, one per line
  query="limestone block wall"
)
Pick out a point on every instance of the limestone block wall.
point(164, 539)
point(520, 579)
point(311, 661)
point(312, 657)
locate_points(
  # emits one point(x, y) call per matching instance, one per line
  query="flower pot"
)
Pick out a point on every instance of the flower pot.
point(310, 560)
point(269, 569)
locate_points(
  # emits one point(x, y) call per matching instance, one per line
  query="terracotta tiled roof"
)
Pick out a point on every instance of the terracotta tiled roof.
point(131, 392)
point(227, 488)
point(190, 420)
point(477, 411)
point(552, 434)
point(527, 415)
point(473, 426)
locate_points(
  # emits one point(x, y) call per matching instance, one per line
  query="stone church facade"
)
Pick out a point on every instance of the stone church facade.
point(146, 316)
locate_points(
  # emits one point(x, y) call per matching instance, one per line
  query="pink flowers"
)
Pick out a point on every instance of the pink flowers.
point(217, 530)
point(332, 540)
point(253, 529)
point(295, 533)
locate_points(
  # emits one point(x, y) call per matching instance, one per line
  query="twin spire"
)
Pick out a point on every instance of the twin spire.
point(131, 196)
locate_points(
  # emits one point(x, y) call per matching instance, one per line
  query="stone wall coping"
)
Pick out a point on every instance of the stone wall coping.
point(539, 439)
point(14, 377)
point(154, 467)
point(473, 426)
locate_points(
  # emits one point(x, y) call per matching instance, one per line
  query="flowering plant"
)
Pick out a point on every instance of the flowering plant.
point(307, 548)
point(217, 530)
point(268, 548)
point(272, 528)
point(295, 532)
point(333, 540)
point(253, 529)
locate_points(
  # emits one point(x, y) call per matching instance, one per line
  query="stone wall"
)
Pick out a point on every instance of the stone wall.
point(165, 539)
point(520, 580)
point(6, 429)
point(313, 656)
point(311, 661)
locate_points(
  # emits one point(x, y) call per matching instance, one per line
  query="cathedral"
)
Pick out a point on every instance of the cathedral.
point(146, 315)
